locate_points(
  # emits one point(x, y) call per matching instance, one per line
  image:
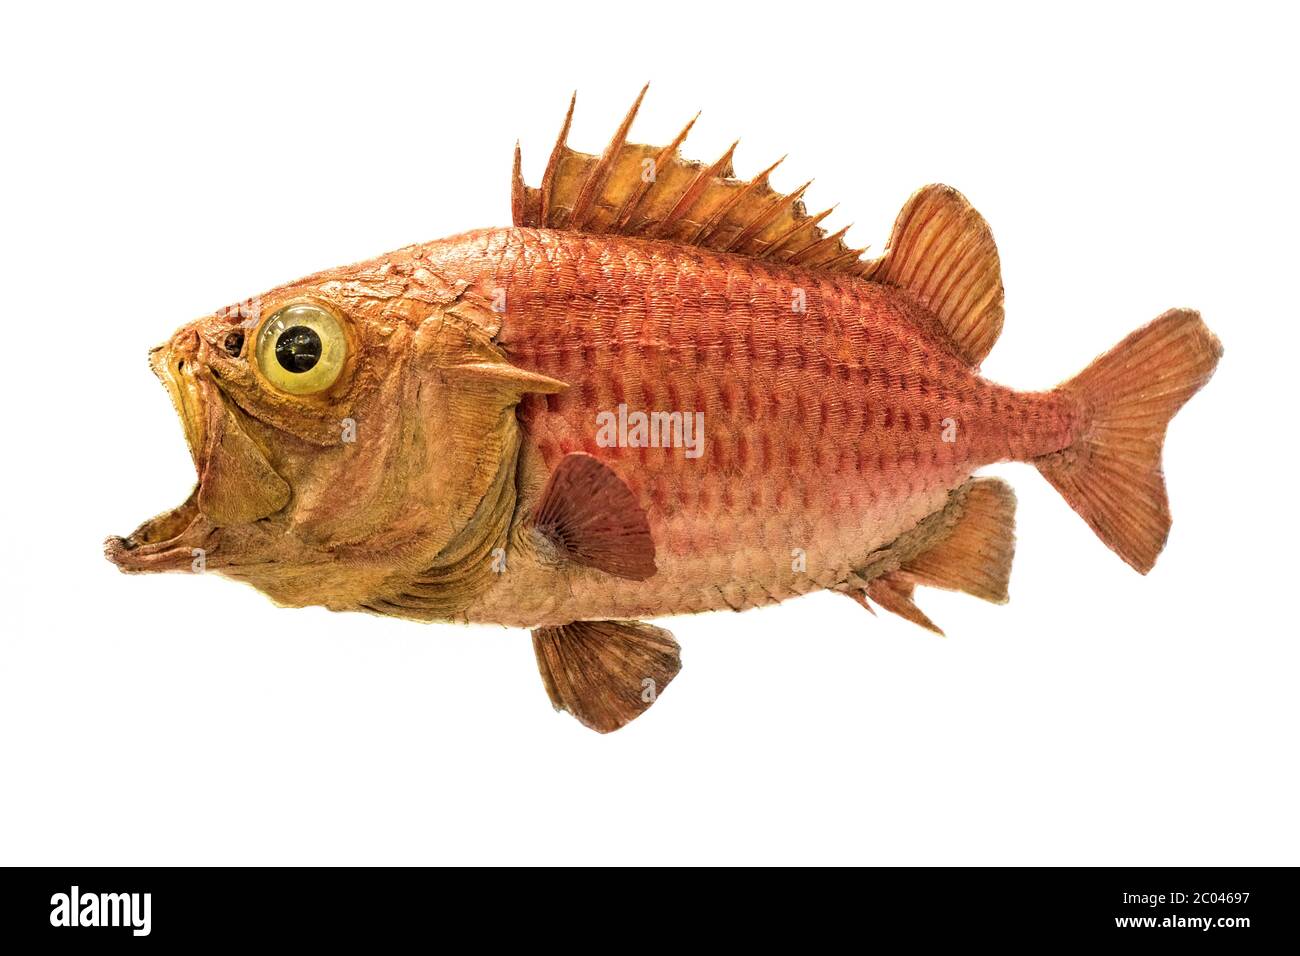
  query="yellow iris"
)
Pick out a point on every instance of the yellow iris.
point(301, 348)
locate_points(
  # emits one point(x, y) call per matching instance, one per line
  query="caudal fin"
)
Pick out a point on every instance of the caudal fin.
point(1112, 476)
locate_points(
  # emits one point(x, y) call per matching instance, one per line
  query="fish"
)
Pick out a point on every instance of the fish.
point(662, 390)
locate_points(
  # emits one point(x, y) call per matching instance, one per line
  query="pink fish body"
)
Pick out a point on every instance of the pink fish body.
point(662, 391)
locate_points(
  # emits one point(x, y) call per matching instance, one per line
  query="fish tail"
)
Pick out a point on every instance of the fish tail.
point(1112, 475)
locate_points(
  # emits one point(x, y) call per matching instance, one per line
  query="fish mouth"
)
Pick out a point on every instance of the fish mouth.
point(237, 485)
point(172, 541)
point(168, 542)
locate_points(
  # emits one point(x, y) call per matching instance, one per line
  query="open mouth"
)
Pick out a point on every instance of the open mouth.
point(237, 485)
point(169, 541)
point(165, 543)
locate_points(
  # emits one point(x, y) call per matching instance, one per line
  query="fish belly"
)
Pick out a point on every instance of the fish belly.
point(827, 416)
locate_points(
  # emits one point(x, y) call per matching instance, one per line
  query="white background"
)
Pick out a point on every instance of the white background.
point(160, 163)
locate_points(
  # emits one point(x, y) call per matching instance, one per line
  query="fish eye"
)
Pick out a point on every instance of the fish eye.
point(301, 348)
point(297, 349)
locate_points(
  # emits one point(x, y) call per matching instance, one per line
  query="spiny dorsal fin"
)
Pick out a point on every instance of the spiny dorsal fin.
point(651, 191)
point(942, 252)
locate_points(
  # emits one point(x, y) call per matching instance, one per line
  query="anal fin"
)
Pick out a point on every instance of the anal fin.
point(592, 518)
point(893, 592)
point(973, 557)
point(605, 673)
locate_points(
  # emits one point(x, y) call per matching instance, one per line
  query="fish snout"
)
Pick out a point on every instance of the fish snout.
point(178, 355)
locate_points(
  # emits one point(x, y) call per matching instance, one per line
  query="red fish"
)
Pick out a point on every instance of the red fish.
point(663, 390)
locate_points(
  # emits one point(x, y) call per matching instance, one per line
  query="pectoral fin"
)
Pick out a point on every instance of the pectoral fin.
point(592, 518)
point(605, 673)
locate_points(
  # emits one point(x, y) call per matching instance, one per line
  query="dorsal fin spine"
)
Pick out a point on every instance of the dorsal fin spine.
point(714, 222)
point(634, 201)
point(680, 201)
point(693, 192)
point(595, 181)
point(518, 197)
point(849, 255)
point(553, 164)
point(780, 241)
point(807, 256)
point(760, 221)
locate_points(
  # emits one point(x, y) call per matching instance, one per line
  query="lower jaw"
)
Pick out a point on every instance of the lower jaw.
point(172, 541)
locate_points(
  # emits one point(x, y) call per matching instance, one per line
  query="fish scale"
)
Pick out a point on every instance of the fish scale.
point(823, 428)
point(457, 430)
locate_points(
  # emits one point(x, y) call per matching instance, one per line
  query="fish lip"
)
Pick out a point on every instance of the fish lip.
point(185, 391)
point(175, 540)
point(167, 542)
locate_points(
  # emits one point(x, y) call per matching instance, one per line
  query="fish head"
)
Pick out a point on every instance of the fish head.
point(354, 437)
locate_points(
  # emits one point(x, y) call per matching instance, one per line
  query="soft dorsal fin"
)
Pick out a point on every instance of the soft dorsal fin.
point(652, 192)
point(942, 252)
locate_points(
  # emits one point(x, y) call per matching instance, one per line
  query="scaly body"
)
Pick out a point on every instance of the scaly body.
point(827, 401)
point(664, 390)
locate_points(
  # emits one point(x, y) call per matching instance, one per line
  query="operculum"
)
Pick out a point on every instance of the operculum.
point(469, 408)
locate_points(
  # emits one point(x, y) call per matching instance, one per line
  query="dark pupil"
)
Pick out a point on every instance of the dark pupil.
point(298, 349)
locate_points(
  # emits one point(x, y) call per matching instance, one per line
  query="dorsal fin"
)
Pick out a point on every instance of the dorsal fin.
point(942, 252)
point(651, 191)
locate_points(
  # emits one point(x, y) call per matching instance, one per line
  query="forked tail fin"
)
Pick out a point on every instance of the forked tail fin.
point(1112, 475)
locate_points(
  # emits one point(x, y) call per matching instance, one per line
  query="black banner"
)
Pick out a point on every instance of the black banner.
point(1228, 907)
